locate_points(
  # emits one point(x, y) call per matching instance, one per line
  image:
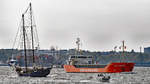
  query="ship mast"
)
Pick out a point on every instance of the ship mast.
point(123, 49)
point(78, 45)
point(32, 34)
point(24, 39)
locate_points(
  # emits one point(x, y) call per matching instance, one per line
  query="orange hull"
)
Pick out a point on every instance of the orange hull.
point(110, 68)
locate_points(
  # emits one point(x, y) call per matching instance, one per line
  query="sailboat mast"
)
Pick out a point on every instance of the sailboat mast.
point(24, 36)
point(32, 33)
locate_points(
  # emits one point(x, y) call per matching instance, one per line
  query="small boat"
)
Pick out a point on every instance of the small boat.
point(103, 78)
point(12, 61)
point(29, 47)
point(85, 64)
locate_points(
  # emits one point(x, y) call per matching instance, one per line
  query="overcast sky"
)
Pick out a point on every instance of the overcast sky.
point(101, 24)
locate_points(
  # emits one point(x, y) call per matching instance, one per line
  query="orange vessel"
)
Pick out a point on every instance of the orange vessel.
point(82, 63)
point(110, 68)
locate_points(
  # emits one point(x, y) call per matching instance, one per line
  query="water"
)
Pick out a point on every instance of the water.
point(140, 75)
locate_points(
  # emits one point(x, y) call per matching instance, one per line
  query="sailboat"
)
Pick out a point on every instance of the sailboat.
point(29, 48)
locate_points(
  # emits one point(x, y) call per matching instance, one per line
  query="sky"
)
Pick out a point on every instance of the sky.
point(100, 24)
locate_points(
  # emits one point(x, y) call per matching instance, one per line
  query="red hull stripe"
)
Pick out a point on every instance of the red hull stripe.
point(110, 68)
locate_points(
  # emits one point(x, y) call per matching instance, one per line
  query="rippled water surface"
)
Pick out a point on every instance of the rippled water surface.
point(140, 75)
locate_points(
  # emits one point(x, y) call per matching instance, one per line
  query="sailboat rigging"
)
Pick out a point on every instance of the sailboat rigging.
point(28, 50)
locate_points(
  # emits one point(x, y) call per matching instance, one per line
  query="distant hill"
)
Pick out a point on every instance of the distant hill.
point(60, 56)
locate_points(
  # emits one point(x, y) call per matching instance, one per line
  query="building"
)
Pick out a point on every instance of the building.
point(147, 50)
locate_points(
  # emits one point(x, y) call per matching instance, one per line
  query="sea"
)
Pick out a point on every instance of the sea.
point(140, 75)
